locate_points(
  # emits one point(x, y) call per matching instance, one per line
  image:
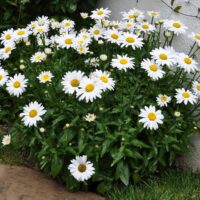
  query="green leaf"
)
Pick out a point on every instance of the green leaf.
point(104, 187)
point(139, 143)
point(172, 2)
point(177, 9)
point(117, 158)
point(105, 146)
point(60, 118)
point(133, 154)
point(122, 172)
point(56, 166)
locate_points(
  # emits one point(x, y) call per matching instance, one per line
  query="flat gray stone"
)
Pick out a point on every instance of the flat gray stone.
point(22, 183)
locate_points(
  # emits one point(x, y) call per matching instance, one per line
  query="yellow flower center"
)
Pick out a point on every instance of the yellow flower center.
point(45, 77)
point(197, 37)
point(40, 30)
point(154, 14)
point(145, 26)
point(131, 16)
point(153, 68)
point(75, 83)
point(100, 12)
point(176, 25)
point(7, 49)
point(96, 32)
point(16, 84)
point(21, 32)
point(129, 25)
point(123, 61)
point(89, 87)
point(39, 57)
point(8, 37)
point(104, 79)
point(33, 113)
point(163, 56)
point(67, 24)
point(152, 116)
point(198, 87)
point(7, 140)
point(85, 36)
point(130, 39)
point(163, 98)
point(115, 36)
point(68, 41)
point(1, 77)
point(188, 61)
point(81, 42)
point(186, 95)
point(82, 168)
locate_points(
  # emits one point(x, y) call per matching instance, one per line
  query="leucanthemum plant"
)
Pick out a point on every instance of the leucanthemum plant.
point(113, 102)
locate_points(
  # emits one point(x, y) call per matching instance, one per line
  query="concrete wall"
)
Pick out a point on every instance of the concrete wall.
point(191, 8)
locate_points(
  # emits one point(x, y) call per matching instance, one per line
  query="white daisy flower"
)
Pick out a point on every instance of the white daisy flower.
point(81, 169)
point(196, 88)
point(164, 56)
point(153, 14)
point(187, 63)
point(67, 24)
point(81, 41)
point(151, 117)
point(133, 14)
point(90, 117)
point(163, 100)
point(127, 25)
point(100, 13)
point(40, 29)
point(112, 35)
point(66, 40)
point(104, 79)
point(114, 24)
point(32, 113)
point(130, 39)
point(38, 57)
point(16, 85)
point(185, 96)
point(6, 140)
point(55, 24)
point(71, 81)
point(3, 76)
point(85, 35)
point(82, 49)
point(154, 71)
point(96, 32)
point(43, 20)
point(7, 36)
point(45, 76)
point(21, 33)
point(176, 26)
point(92, 61)
point(6, 51)
point(195, 37)
point(32, 25)
point(84, 15)
point(89, 90)
point(123, 62)
point(146, 27)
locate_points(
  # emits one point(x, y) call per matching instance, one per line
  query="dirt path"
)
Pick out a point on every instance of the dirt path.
point(21, 183)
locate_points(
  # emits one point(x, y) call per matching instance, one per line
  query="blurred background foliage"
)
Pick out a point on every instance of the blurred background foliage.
point(14, 13)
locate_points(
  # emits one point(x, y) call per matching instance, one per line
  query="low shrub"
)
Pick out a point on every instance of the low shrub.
point(112, 103)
